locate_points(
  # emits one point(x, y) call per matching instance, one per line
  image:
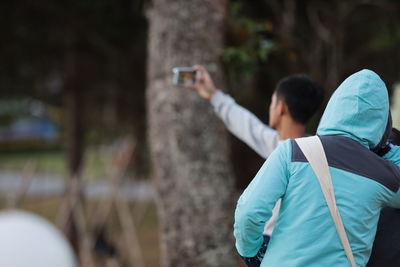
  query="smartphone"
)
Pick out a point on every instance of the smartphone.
point(184, 76)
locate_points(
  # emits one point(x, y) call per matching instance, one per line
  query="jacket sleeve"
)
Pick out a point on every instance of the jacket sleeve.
point(255, 205)
point(394, 156)
point(395, 201)
point(244, 125)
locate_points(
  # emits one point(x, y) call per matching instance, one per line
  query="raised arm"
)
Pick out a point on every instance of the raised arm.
point(239, 121)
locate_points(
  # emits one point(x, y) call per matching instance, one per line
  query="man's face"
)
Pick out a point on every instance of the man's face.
point(274, 112)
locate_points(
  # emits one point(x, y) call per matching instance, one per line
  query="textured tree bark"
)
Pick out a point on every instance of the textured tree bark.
point(188, 143)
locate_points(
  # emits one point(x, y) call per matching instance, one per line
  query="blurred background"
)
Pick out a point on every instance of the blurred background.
point(75, 115)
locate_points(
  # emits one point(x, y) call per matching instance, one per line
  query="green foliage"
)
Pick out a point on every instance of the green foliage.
point(386, 38)
point(248, 45)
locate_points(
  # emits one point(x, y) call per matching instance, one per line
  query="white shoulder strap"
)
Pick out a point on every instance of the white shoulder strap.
point(314, 152)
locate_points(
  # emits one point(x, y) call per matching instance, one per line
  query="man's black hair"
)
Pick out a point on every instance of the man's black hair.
point(302, 96)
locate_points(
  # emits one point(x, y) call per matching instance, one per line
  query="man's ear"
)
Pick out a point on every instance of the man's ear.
point(282, 108)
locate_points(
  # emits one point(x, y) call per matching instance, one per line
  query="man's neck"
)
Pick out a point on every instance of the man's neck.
point(290, 129)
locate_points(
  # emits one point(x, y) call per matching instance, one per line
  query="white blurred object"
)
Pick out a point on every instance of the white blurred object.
point(395, 107)
point(27, 240)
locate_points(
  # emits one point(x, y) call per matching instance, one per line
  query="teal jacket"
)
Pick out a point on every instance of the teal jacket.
point(305, 235)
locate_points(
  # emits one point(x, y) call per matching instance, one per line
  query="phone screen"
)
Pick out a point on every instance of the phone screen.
point(184, 76)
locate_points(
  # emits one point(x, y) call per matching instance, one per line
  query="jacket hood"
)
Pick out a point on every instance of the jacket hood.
point(358, 109)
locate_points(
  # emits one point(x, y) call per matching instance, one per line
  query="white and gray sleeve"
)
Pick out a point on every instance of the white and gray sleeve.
point(245, 125)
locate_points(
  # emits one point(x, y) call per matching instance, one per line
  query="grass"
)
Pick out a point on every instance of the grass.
point(144, 216)
point(54, 162)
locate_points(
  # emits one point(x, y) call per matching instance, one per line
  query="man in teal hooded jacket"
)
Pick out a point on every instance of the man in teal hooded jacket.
point(353, 123)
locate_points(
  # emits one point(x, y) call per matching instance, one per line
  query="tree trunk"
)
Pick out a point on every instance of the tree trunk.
point(188, 143)
point(74, 141)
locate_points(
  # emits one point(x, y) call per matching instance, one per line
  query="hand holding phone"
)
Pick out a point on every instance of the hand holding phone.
point(202, 82)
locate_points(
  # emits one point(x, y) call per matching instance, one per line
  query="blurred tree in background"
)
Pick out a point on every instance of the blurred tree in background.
point(87, 57)
point(188, 143)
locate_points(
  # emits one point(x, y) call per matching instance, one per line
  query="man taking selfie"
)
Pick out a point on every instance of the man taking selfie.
point(294, 101)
